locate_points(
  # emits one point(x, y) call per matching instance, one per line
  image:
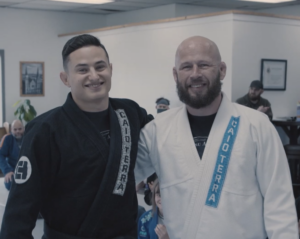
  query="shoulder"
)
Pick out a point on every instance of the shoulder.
point(265, 101)
point(253, 117)
point(242, 99)
point(6, 139)
point(45, 121)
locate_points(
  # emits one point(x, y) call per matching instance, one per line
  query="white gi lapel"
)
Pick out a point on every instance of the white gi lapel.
point(121, 182)
point(204, 179)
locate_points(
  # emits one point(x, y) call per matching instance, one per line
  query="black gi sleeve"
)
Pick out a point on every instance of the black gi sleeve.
point(145, 118)
point(32, 182)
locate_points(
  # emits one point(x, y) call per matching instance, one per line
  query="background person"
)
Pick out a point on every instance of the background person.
point(151, 223)
point(162, 104)
point(254, 100)
point(9, 151)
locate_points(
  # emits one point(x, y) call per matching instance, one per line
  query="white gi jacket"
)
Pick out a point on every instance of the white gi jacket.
point(240, 189)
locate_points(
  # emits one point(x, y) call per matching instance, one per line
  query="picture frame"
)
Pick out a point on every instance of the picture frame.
point(273, 74)
point(32, 78)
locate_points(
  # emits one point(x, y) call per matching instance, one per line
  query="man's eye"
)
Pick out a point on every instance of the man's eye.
point(82, 70)
point(99, 68)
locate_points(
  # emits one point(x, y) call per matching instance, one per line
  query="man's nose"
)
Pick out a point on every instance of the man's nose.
point(93, 74)
point(196, 72)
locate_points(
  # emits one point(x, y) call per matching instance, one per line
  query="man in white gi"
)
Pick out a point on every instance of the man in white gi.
point(235, 184)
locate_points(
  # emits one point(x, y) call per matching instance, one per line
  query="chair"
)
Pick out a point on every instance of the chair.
point(293, 156)
point(7, 126)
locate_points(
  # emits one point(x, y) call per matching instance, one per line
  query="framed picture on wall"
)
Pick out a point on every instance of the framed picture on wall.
point(273, 74)
point(32, 78)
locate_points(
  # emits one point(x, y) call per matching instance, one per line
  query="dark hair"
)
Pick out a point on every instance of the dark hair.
point(162, 98)
point(156, 189)
point(151, 178)
point(78, 42)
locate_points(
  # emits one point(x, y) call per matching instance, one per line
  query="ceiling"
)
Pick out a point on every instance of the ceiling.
point(129, 5)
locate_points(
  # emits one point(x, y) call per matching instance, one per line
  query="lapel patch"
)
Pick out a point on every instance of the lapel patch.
point(121, 182)
point(23, 170)
point(222, 163)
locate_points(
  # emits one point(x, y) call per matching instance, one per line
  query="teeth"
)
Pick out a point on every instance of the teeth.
point(196, 86)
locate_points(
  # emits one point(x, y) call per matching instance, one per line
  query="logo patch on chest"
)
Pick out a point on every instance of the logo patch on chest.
point(125, 157)
point(23, 170)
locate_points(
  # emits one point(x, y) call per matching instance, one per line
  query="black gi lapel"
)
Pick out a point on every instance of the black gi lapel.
point(83, 123)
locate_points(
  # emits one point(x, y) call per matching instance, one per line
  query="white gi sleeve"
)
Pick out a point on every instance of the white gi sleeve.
point(143, 166)
point(274, 179)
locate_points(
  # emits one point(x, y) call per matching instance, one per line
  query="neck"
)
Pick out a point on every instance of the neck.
point(208, 110)
point(93, 106)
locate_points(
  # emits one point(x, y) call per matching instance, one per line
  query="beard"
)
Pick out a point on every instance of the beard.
point(253, 97)
point(200, 100)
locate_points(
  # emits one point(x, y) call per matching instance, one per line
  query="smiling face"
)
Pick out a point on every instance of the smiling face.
point(88, 74)
point(198, 72)
point(17, 129)
point(158, 200)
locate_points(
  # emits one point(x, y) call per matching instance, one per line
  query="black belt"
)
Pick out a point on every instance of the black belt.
point(52, 234)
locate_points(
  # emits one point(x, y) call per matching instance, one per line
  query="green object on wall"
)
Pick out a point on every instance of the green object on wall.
point(25, 111)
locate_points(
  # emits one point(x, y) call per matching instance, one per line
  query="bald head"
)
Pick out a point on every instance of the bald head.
point(17, 129)
point(197, 45)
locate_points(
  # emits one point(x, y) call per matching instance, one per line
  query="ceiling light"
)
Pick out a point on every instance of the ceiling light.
point(268, 1)
point(85, 1)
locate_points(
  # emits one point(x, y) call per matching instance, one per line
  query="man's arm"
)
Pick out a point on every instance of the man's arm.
point(4, 153)
point(274, 180)
point(31, 184)
point(269, 111)
point(143, 166)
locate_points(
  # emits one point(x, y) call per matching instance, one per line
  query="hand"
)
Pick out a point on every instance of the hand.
point(8, 177)
point(263, 109)
point(161, 231)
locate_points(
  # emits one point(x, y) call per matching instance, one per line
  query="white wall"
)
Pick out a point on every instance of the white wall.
point(255, 38)
point(143, 56)
point(28, 35)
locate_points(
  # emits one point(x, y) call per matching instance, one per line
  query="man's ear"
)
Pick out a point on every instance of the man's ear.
point(64, 78)
point(111, 67)
point(223, 69)
point(175, 74)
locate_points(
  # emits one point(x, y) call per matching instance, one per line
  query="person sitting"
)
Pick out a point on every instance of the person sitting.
point(9, 152)
point(162, 104)
point(151, 223)
point(254, 100)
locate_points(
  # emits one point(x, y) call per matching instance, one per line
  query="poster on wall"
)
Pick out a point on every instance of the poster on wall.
point(273, 74)
point(32, 80)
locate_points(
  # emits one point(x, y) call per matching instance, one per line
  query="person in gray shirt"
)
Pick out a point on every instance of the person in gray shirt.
point(254, 100)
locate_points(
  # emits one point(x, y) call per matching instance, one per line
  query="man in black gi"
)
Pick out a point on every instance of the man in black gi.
point(76, 162)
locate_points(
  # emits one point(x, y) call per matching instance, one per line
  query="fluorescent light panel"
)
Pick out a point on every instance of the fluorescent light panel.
point(85, 1)
point(268, 1)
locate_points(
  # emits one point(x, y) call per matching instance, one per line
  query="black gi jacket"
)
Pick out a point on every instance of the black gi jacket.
point(77, 180)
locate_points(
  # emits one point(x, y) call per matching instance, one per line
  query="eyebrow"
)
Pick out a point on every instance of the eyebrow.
point(83, 65)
